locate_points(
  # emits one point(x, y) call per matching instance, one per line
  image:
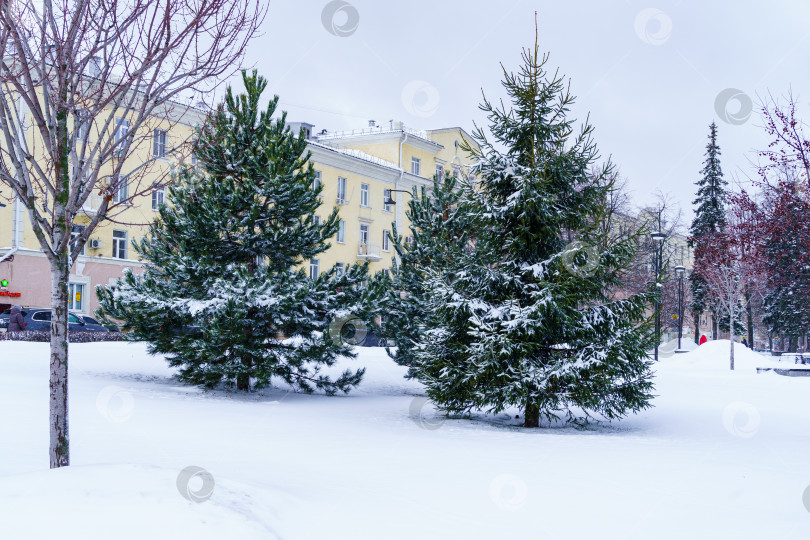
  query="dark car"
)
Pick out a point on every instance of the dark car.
point(94, 325)
point(39, 319)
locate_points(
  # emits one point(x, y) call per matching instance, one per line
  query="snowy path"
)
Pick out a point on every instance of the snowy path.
point(722, 455)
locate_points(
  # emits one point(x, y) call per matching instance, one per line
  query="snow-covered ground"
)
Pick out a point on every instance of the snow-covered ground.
point(722, 455)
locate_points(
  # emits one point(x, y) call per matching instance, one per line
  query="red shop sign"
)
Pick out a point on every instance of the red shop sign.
point(10, 294)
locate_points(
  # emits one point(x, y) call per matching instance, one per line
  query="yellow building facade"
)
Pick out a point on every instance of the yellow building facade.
point(354, 167)
point(24, 269)
point(357, 167)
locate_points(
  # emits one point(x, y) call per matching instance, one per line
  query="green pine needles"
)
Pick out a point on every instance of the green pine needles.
point(504, 298)
point(223, 295)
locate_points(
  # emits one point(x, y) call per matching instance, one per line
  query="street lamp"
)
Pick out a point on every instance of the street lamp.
point(658, 238)
point(2, 205)
point(679, 271)
point(387, 195)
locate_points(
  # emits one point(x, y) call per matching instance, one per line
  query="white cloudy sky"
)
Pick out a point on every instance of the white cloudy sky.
point(648, 74)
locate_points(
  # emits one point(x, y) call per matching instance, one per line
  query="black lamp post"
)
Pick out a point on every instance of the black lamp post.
point(679, 271)
point(387, 195)
point(658, 238)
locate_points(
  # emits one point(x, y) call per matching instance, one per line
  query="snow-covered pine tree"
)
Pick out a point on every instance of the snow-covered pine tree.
point(439, 235)
point(223, 295)
point(710, 218)
point(522, 317)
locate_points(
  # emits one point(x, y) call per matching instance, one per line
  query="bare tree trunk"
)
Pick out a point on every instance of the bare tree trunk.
point(59, 451)
point(749, 310)
point(731, 313)
point(696, 316)
point(715, 327)
point(145, 56)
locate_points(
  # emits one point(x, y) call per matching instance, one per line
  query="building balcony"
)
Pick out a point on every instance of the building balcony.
point(369, 251)
point(92, 204)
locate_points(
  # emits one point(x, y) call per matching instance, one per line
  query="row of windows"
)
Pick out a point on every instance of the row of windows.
point(341, 191)
point(416, 168)
point(315, 264)
point(119, 243)
point(365, 234)
point(365, 188)
point(122, 194)
point(159, 136)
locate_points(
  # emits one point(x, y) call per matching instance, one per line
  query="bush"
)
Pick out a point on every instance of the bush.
point(73, 337)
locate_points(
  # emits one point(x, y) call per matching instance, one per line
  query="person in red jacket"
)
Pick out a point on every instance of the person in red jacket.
point(15, 321)
point(702, 339)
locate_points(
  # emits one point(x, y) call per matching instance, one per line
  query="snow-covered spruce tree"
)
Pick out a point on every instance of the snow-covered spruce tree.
point(522, 317)
point(439, 236)
point(222, 295)
point(710, 218)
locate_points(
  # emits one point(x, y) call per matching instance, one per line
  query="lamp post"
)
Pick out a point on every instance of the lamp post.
point(387, 195)
point(679, 271)
point(658, 238)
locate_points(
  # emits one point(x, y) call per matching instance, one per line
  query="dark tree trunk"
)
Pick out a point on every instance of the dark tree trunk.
point(715, 327)
point(532, 415)
point(696, 316)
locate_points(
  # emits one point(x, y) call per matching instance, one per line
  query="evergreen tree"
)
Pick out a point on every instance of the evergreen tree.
point(439, 236)
point(223, 295)
point(518, 316)
point(710, 218)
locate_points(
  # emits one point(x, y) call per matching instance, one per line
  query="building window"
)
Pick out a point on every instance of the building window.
point(74, 237)
point(363, 194)
point(122, 193)
point(314, 268)
point(386, 242)
point(341, 190)
point(440, 171)
point(410, 240)
point(341, 234)
point(364, 233)
point(121, 130)
point(316, 182)
point(341, 268)
point(82, 121)
point(316, 220)
point(119, 244)
point(76, 296)
point(387, 207)
point(159, 143)
point(158, 196)
point(416, 166)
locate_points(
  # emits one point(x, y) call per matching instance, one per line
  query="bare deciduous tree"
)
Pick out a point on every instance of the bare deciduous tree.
point(82, 83)
point(730, 266)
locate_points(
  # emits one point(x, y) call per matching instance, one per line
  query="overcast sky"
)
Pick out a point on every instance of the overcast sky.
point(649, 74)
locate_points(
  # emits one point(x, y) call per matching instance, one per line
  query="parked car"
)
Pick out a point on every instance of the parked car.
point(96, 325)
point(92, 325)
point(39, 319)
